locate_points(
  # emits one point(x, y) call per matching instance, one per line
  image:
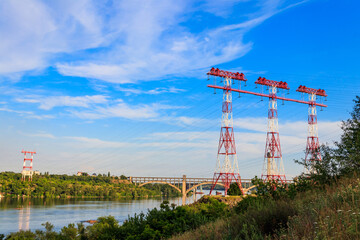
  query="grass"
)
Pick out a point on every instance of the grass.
point(329, 212)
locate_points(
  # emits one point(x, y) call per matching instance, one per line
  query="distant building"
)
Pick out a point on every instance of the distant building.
point(36, 172)
point(27, 173)
point(82, 174)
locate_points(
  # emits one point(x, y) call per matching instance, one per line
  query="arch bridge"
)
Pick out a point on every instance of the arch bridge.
point(184, 184)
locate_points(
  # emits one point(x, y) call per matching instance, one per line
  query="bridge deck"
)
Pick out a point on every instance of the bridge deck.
point(179, 180)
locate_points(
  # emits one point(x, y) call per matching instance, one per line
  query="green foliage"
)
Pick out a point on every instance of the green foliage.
point(165, 189)
point(104, 228)
point(347, 153)
point(234, 190)
point(64, 186)
point(344, 158)
point(21, 235)
point(250, 201)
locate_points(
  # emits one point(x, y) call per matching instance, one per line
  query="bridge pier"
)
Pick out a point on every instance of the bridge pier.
point(183, 190)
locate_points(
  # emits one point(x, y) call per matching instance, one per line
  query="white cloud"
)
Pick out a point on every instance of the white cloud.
point(102, 106)
point(27, 114)
point(155, 91)
point(154, 45)
point(134, 40)
point(123, 110)
point(223, 10)
point(175, 150)
point(298, 128)
point(47, 103)
point(41, 135)
point(36, 30)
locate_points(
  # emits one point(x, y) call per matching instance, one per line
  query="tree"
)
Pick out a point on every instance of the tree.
point(234, 190)
point(345, 157)
point(348, 149)
point(123, 177)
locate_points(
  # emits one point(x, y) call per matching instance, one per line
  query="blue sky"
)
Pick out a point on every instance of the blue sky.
point(120, 86)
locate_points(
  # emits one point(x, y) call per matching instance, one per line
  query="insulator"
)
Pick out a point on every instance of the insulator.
point(288, 92)
point(256, 86)
point(208, 78)
point(239, 95)
point(214, 91)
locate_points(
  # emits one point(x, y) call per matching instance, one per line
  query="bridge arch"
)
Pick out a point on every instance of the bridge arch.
point(200, 184)
point(247, 189)
point(161, 182)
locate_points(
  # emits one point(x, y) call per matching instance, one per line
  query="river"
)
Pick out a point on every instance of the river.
point(30, 214)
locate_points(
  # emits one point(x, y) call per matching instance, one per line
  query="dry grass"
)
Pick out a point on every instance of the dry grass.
point(329, 213)
point(210, 231)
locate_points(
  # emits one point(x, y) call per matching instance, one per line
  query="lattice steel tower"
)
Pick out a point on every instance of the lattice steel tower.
point(27, 169)
point(273, 168)
point(227, 170)
point(312, 152)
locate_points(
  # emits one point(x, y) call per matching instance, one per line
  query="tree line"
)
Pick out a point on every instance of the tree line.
point(65, 186)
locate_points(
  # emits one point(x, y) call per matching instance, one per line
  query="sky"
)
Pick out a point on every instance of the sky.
point(121, 86)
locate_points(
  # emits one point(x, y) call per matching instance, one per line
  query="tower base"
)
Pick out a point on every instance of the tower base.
point(226, 179)
point(26, 173)
point(276, 178)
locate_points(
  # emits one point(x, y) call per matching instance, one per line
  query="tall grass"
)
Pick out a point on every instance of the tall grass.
point(329, 212)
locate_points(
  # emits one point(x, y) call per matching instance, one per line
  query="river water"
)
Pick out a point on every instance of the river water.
point(30, 214)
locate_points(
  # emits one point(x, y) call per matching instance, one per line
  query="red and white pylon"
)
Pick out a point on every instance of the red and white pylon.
point(273, 168)
point(27, 169)
point(312, 153)
point(227, 170)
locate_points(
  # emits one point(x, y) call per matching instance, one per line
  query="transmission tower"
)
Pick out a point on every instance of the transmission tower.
point(312, 152)
point(27, 169)
point(227, 170)
point(273, 168)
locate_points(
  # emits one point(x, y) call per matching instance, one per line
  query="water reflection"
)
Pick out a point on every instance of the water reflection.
point(60, 212)
point(24, 217)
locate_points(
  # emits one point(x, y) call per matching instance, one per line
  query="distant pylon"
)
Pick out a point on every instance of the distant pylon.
point(27, 169)
point(273, 168)
point(312, 153)
point(227, 170)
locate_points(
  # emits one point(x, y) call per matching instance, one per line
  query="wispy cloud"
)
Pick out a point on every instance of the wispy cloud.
point(36, 30)
point(155, 91)
point(47, 103)
point(169, 49)
point(124, 110)
point(40, 135)
point(92, 107)
point(28, 114)
point(122, 41)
